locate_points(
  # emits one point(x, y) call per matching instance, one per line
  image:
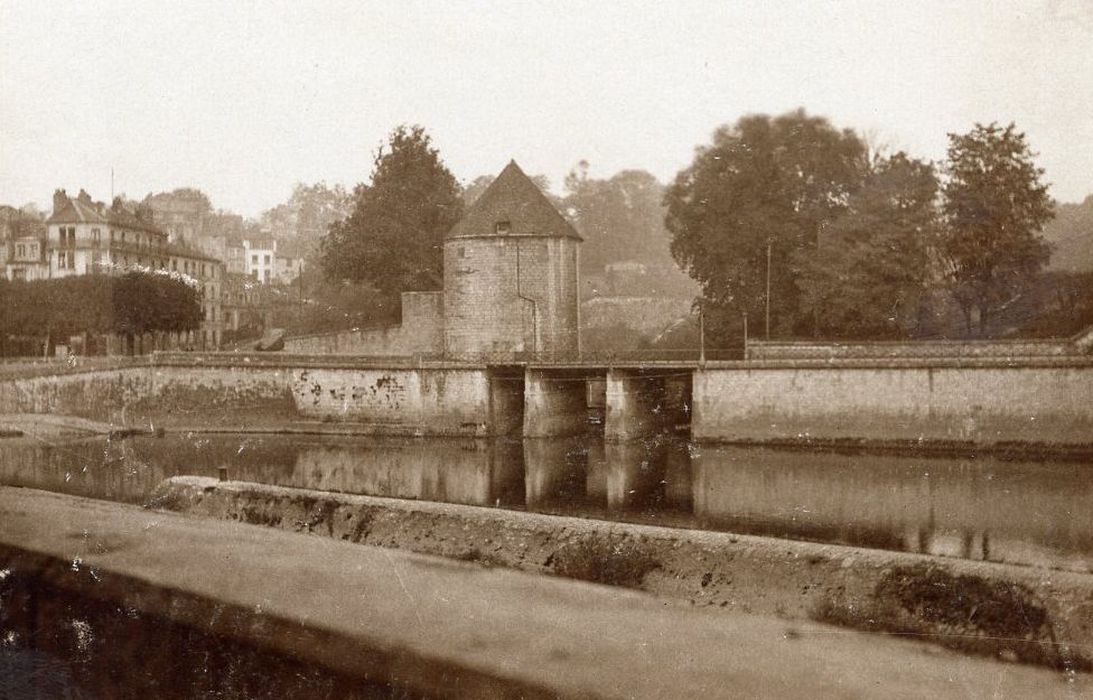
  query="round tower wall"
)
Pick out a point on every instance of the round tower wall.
point(510, 297)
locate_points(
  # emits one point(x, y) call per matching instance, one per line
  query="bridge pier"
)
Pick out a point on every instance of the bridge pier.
point(555, 404)
point(506, 401)
point(640, 403)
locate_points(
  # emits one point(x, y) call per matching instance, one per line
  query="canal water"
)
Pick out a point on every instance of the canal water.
point(1033, 513)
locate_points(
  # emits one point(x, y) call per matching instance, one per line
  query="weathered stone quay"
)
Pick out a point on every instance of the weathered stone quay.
point(948, 402)
point(426, 626)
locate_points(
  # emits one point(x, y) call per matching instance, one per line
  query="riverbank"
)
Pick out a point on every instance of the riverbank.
point(441, 628)
point(1031, 405)
point(1034, 615)
point(36, 426)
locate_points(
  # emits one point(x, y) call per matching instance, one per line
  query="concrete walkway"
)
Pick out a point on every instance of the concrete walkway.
point(447, 628)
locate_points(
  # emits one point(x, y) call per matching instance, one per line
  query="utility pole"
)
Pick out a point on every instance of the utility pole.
point(745, 335)
point(768, 291)
point(701, 337)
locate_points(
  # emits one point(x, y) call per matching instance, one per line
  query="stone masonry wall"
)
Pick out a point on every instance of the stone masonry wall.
point(420, 333)
point(160, 396)
point(982, 404)
point(416, 401)
point(799, 350)
point(485, 314)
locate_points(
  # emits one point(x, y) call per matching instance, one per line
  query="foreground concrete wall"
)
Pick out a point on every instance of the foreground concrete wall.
point(1035, 615)
point(420, 333)
point(980, 404)
point(109, 582)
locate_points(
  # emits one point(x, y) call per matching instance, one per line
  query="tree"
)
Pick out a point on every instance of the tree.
point(476, 187)
point(995, 207)
point(130, 304)
point(762, 182)
point(621, 218)
point(394, 236)
point(870, 272)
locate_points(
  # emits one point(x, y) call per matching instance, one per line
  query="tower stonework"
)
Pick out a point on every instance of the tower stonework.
point(510, 277)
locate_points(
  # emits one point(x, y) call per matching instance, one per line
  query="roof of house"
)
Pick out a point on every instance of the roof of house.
point(76, 211)
point(81, 210)
point(183, 251)
point(515, 199)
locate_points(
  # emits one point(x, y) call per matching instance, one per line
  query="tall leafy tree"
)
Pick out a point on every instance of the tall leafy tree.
point(762, 182)
point(995, 207)
point(870, 273)
point(621, 218)
point(393, 238)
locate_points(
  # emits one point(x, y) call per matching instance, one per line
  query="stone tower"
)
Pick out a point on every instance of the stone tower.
point(510, 277)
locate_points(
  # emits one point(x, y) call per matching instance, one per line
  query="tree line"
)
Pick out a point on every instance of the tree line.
point(130, 305)
point(787, 213)
point(857, 241)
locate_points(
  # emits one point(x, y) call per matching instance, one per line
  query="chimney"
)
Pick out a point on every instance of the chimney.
point(60, 200)
point(83, 197)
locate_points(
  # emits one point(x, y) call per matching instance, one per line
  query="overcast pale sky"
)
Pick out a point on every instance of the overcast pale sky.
point(244, 99)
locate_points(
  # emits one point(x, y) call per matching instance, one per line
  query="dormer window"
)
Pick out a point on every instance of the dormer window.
point(502, 228)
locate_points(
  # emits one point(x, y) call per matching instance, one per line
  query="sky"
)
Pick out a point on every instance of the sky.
point(245, 99)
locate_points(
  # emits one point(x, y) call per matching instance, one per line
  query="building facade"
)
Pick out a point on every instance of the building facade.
point(260, 257)
point(180, 214)
point(85, 237)
point(22, 246)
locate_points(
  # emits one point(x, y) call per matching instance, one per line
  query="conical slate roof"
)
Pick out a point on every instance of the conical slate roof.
point(513, 199)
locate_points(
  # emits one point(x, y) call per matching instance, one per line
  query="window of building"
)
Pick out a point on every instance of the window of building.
point(267, 276)
point(174, 266)
point(61, 259)
point(202, 269)
point(267, 259)
point(502, 227)
point(96, 235)
point(19, 274)
point(254, 259)
point(20, 250)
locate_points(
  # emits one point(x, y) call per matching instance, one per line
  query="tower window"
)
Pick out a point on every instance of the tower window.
point(502, 227)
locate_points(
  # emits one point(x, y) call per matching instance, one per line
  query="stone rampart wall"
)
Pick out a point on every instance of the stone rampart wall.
point(1014, 349)
point(979, 403)
point(420, 333)
point(417, 401)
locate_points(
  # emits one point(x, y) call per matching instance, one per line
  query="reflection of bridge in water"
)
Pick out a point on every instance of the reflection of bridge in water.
point(1021, 512)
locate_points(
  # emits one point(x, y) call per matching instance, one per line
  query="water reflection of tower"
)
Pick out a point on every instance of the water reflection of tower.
point(648, 474)
point(633, 475)
point(556, 471)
